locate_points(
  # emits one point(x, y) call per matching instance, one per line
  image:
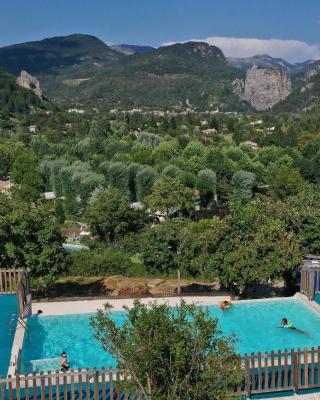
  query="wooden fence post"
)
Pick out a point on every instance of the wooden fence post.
point(247, 376)
point(294, 371)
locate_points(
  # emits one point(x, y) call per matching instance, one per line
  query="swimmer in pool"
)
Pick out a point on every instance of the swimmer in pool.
point(224, 305)
point(64, 364)
point(289, 325)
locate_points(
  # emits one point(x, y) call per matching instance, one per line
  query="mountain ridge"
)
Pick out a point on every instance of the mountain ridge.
point(83, 69)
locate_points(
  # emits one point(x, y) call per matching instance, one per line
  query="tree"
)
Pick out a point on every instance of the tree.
point(110, 216)
point(145, 179)
point(59, 212)
point(27, 177)
point(259, 244)
point(170, 196)
point(207, 185)
point(30, 237)
point(157, 245)
point(193, 362)
point(171, 170)
point(286, 182)
point(6, 160)
point(118, 176)
point(242, 182)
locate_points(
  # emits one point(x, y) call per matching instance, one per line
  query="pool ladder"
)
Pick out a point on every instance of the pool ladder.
point(14, 318)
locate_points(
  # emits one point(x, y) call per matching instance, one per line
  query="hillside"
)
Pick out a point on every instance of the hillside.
point(53, 54)
point(263, 61)
point(128, 49)
point(81, 68)
point(14, 99)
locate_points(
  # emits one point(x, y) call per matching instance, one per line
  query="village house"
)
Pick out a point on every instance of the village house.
point(33, 128)
point(75, 111)
point(254, 146)
point(5, 185)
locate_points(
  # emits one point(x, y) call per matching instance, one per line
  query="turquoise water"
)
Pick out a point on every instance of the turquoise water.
point(8, 306)
point(254, 324)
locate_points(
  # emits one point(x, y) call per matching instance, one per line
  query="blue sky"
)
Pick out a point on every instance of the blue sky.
point(154, 22)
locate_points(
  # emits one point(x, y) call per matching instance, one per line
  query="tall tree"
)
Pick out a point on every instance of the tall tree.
point(27, 177)
point(193, 362)
point(170, 196)
point(110, 216)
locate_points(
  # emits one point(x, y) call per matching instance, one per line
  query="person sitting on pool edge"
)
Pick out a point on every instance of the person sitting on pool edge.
point(289, 325)
point(64, 365)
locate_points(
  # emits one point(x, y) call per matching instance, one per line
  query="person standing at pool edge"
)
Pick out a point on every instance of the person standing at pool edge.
point(289, 325)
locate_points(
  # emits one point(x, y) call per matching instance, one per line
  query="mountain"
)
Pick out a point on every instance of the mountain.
point(263, 88)
point(50, 55)
point(265, 61)
point(306, 91)
point(82, 68)
point(129, 49)
point(262, 61)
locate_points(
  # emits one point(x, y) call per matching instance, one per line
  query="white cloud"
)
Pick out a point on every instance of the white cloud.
point(290, 50)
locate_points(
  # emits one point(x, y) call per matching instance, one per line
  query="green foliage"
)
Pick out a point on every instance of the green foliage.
point(111, 217)
point(286, 182)
point(27, 177)
point(242, 182)
point(193, 362)
point(118, 176)
point(13, 99)
point(170, 196)
point(29, 237)
point(207, 185)
point(144, 181)
point(258, 246)
point(109, 262)
point(6, 159)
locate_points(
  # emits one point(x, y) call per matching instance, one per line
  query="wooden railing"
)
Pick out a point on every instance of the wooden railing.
point(9, 280)
point(24, 295)
point(104, 384)
point(262, 373)
point(281, 371)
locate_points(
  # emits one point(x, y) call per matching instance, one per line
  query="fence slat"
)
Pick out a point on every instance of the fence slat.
point(262, 373)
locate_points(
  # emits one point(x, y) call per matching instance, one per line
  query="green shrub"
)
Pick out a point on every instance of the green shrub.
point(110, 262)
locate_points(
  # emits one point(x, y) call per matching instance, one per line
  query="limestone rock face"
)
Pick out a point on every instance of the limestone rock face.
point(30, 82)
point(263, 87)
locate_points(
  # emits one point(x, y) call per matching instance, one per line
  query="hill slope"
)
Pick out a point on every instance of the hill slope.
point(81, 68)
point(13, 98)
point(50, 55)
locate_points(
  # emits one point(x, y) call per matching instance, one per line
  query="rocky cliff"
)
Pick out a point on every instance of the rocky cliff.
point(30, 82)
point(263, 87)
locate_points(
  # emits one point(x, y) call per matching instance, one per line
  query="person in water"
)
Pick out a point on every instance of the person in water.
point(64, 364)
point(289, 325)
point(224, 305)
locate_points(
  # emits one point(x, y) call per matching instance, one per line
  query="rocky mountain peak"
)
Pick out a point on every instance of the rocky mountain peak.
point(30, 82)
point(263, 87)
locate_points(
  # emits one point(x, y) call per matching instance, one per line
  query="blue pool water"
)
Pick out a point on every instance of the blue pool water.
point(254, 324)
point(8, 306)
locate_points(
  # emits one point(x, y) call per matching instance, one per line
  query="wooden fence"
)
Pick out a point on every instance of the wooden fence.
point(9, 280)
point(262, 373)
point(104, 384)
point(24, 295)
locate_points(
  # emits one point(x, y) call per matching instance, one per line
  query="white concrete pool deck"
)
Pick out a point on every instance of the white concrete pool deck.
point(91, 306)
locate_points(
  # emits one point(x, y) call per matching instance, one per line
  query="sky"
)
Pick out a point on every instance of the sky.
point(281, 28)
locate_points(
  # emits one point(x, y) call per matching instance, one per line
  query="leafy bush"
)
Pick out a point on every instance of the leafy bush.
point(110, 262)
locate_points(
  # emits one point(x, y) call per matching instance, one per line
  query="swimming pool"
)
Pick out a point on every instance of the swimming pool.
point(8, 306)
point(254, 323)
